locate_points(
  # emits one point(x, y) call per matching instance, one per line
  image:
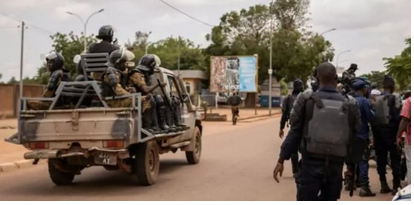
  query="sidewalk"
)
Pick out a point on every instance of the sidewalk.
point(11, 155)
point(245, 113)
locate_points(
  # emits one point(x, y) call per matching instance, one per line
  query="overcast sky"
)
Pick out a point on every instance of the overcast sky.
point(371, 29)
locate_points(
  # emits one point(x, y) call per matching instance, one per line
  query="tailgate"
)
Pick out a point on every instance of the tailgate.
point(80, 124)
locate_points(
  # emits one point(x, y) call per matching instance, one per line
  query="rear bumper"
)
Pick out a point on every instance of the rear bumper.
point(53, 154)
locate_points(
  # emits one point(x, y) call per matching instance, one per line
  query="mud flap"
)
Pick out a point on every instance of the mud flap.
point(14, 139)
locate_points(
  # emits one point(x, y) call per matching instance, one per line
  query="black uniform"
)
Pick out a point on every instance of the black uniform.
point(384, 142)
point(101, 47)
point(316, 173)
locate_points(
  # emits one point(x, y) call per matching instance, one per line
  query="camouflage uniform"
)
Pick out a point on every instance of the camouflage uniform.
point(113, 83)
point(54, 81)
point(136, 80)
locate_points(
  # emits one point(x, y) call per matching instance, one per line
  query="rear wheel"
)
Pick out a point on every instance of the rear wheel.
point(57, 176)
point(147, 163)
point(193, 157)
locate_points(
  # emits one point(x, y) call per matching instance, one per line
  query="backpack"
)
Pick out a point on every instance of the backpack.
point(327, 133)
point(382, 110)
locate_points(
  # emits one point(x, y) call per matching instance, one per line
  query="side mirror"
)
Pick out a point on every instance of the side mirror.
point(77, 59)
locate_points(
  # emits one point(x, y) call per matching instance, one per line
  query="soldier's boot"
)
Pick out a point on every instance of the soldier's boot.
point(385, 188)
point(146, 121)
point(162, 120)
point(169, 119)
point(365, 191)
point(154, 122)
point(176, 120)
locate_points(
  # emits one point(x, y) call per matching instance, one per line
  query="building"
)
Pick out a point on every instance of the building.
point(192, 79)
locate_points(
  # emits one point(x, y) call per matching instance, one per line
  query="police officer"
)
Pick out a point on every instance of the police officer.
point(105, 34)
point(114, 79)
point(286, 108)
point(385, 129)
point(54, 63)
point(316, 119)
point(139, 78)
point(362, 90)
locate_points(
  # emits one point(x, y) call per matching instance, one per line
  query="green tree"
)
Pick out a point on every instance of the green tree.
point(170, 50)
point(375, 77)
point(68, 45)
point(296, 51)
point(13, 81)
point(400, 66)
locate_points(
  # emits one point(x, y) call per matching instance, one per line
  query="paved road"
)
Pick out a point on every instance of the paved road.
point(237, 164)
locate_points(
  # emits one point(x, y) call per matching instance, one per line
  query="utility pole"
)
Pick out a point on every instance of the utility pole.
point(85, 23)
point(21, 61)
point(179, 55)
point(270, 71)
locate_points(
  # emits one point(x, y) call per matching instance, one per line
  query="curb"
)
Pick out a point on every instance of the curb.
point(258, 116)
point(21, 164)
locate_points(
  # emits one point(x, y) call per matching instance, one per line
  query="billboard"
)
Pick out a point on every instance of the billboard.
point(233, 73)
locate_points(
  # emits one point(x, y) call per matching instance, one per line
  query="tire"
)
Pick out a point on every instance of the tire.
point(193, 157)
point(59, 177)
point(147, 163)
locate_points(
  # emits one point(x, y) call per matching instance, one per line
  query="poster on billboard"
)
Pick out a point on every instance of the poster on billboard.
point(233, 73)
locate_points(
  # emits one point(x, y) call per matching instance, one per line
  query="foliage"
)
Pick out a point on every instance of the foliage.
point(375, 77)
point(400, 66)
point(170, 50)
point(247, 32)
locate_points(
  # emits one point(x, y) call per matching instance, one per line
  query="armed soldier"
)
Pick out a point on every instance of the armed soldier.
point(105, 34)
point(54, 63)
point(140, 79)
point(322, 126)
point(113, 80)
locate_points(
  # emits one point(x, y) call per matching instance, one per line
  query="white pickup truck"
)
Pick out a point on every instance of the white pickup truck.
point(75, 137)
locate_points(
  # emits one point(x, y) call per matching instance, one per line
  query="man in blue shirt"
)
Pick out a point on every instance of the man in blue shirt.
point(361, 88)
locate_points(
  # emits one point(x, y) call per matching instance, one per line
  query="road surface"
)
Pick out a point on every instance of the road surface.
point(237, 164)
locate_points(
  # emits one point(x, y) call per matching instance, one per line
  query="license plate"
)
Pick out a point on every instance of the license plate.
point(106, 158)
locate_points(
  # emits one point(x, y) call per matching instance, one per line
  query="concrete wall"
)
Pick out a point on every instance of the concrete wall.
point(9, 97)
point(193, 83)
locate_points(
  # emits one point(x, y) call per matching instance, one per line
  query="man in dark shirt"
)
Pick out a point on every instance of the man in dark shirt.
point(317, 173)
point(384, 136)
point(286, 108)
point(106, 34)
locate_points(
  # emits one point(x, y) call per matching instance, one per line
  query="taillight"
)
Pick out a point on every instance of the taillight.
point(38, 145)
point(113, 144)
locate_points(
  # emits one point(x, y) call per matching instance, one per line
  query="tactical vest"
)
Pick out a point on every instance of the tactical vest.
point(382, 110)
point(327, 131)
point(107, 90)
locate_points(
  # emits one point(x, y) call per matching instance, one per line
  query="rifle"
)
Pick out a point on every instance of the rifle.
point(166, 99)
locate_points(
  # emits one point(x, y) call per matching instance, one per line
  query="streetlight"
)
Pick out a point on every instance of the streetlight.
point(337, 58)
point(270, 71)
point(147, 43)
point(332, 29)
point(85, 23)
